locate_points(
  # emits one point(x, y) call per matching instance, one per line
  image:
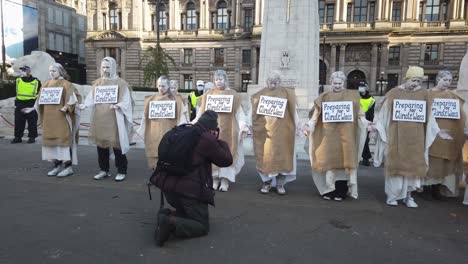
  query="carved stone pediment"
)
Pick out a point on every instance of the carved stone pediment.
point(109, 35)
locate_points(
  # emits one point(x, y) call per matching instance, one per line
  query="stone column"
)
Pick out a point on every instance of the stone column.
point(99, 16)
point(342, 57)
point(333, 58)
point(336, 16)
point(258, 12)
point(202, 15)
point(172, 15)
point(123, 63)
point(208, 15)
point(238, 14)
point(461, 9)
point(124, 15)
point(254, 71)
point(373, 68)
point(422, 49)
point(409, 7)
point(384, 57)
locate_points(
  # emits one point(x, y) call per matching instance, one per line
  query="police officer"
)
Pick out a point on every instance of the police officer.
point(193, 99)
point(27, 89)
point(367, 105)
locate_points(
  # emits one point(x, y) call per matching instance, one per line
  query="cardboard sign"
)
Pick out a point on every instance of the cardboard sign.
point(409, 110)
point(219, 103)
point(272, 106)
point(446, 108)
point(106, 94)
point(51, 96)
point(162, 109)
point(337, 112)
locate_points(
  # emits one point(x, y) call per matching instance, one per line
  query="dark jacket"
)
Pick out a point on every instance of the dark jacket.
point(370, 112)
point(198, 184)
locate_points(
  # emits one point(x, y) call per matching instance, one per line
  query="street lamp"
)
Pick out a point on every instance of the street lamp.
point(4, 74)
point(322, 70)
point(382, 82)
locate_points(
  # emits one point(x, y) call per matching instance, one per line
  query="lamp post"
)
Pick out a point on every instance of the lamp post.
point(382, 82)
point(4, 75)
point(322, 70)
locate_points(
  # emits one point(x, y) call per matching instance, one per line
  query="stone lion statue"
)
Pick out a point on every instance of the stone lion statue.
point(39, 62)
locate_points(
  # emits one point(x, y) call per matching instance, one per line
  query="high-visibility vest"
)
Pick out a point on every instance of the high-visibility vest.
point(367, 103)
point(26, 90)
point(194, 99)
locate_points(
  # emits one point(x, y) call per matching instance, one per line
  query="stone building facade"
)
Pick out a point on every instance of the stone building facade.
point(370, 40)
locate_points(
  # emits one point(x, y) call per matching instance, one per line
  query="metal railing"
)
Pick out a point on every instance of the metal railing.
point(431, 62)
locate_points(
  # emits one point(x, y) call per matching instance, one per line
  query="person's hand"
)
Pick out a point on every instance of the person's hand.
point(115, 106)
point(81, 106)
point(371, 127)
point(443, 134)
point(63, 109)
point(373, 134)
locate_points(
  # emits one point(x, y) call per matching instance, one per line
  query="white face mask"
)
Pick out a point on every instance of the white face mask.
point(362, 89)
point(54, 73)
point(23, 74)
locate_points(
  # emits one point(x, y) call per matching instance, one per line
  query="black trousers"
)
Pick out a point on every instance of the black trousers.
point(192, 217)
point(20, 123)
point(341, 190)
point(366, 154)
point(120, 160)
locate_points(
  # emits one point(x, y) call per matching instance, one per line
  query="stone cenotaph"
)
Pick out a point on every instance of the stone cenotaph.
point(290, 46)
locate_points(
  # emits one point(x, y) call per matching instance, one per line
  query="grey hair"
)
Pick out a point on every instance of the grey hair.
point(221, 73)
point(338, 75)
point(273, 76)
point(441, 74)
point(163, 78)
point(61, 70)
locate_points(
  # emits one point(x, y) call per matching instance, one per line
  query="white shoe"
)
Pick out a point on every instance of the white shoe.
point(54, 171)
point(411, 203)
point(280, 189)
point(215, 184)
point(224, 185)
point(101, 175)
point(266, 187)
point(391, 202)
point(120, 177)
point(66, 172)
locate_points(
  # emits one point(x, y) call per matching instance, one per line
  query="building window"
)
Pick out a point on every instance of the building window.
point(433, 10)
point(396, 11)
point(162, 18)
point(246, 58)
point(59, 42)
point(219, 57)
point(431, 55)
point(222, 15)
point(113, 18)
point(104, 22)
point(58, 17)
point(188, 56)
point(360, 11)
point(430, 82)
point(349, 13)
point(392, 80)
point(322, 11)
point(330, 13)
point(248, 19)
point(191, 17)
point(246, 79)
point(188, 81)
point(394, 56)
point(372, 11)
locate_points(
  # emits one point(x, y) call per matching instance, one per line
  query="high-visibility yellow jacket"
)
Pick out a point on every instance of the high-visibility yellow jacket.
point(26, 90)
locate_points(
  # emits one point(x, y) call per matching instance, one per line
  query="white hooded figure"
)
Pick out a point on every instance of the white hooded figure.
point(405, 128)
point(231, 122)
point(445, 156)
point(274, 134)
point(60, 122)
point(174, 89)
point(336, 139)
point(110, 102)
point(153, 125)
point(463, 85)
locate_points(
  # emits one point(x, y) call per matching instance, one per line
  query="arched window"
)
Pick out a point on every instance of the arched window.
point(191, 16)
point(162, 17)
point(222, 15)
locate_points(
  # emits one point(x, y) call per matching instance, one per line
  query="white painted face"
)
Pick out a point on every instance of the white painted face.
point(337, 84)
point(163, 87)
point(174, 86)
point(106, 69)
point(413, 83)
point(54, 72)
point(220, 82)
point(273, 83)
point(444, 83)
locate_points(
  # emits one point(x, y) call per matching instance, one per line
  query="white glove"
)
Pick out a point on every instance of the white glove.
point(443, 134)
point(81, 106)
point(115, 106)
point(63, 109)
point(373, 134)
point(371, 127)
point(28, 110)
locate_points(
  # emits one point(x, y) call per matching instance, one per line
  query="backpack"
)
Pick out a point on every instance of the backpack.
point(176, 149)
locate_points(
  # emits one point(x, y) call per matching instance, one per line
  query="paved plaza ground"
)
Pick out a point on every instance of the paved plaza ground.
point(83, 221)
